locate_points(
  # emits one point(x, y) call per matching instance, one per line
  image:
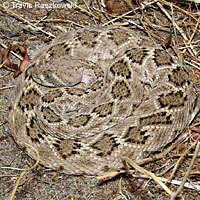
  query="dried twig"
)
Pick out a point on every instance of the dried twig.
point(175, 182)
point(89, 13)
point(144, 171)
point(21, 18)
point(174, 23)
point(130, 12)
point(179, 160)
point(7, 87)
point(175, 6)
point(16, 185)
point(186, 40)
point(120, 189)
point(58, 20)
point(174, 195)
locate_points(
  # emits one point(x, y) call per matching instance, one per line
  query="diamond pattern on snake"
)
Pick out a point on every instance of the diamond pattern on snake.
point(98, 94)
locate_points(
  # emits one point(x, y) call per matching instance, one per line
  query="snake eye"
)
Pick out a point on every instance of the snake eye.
point(47, 76)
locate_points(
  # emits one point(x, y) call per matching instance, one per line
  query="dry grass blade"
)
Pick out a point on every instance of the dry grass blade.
point(21, 18)
point(2, 64)
point(175, 182)
point(175, 6)
point(129, 12)
point(16, 185)
point(144, 171)
point(7, 87)
point(174, 195)
point(171, 19)
point(89, 13)
point(59, 20)
point(109, 174)
point(195, 1)
point(181, 31)
point(179, 160)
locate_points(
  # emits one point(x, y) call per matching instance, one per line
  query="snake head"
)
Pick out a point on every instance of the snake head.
point(67, 74)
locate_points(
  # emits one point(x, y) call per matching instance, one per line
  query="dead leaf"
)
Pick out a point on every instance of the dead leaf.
point(23, 63)
point(6, 60)
point(167, 42)
point(109, 5)
point(196, 129)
